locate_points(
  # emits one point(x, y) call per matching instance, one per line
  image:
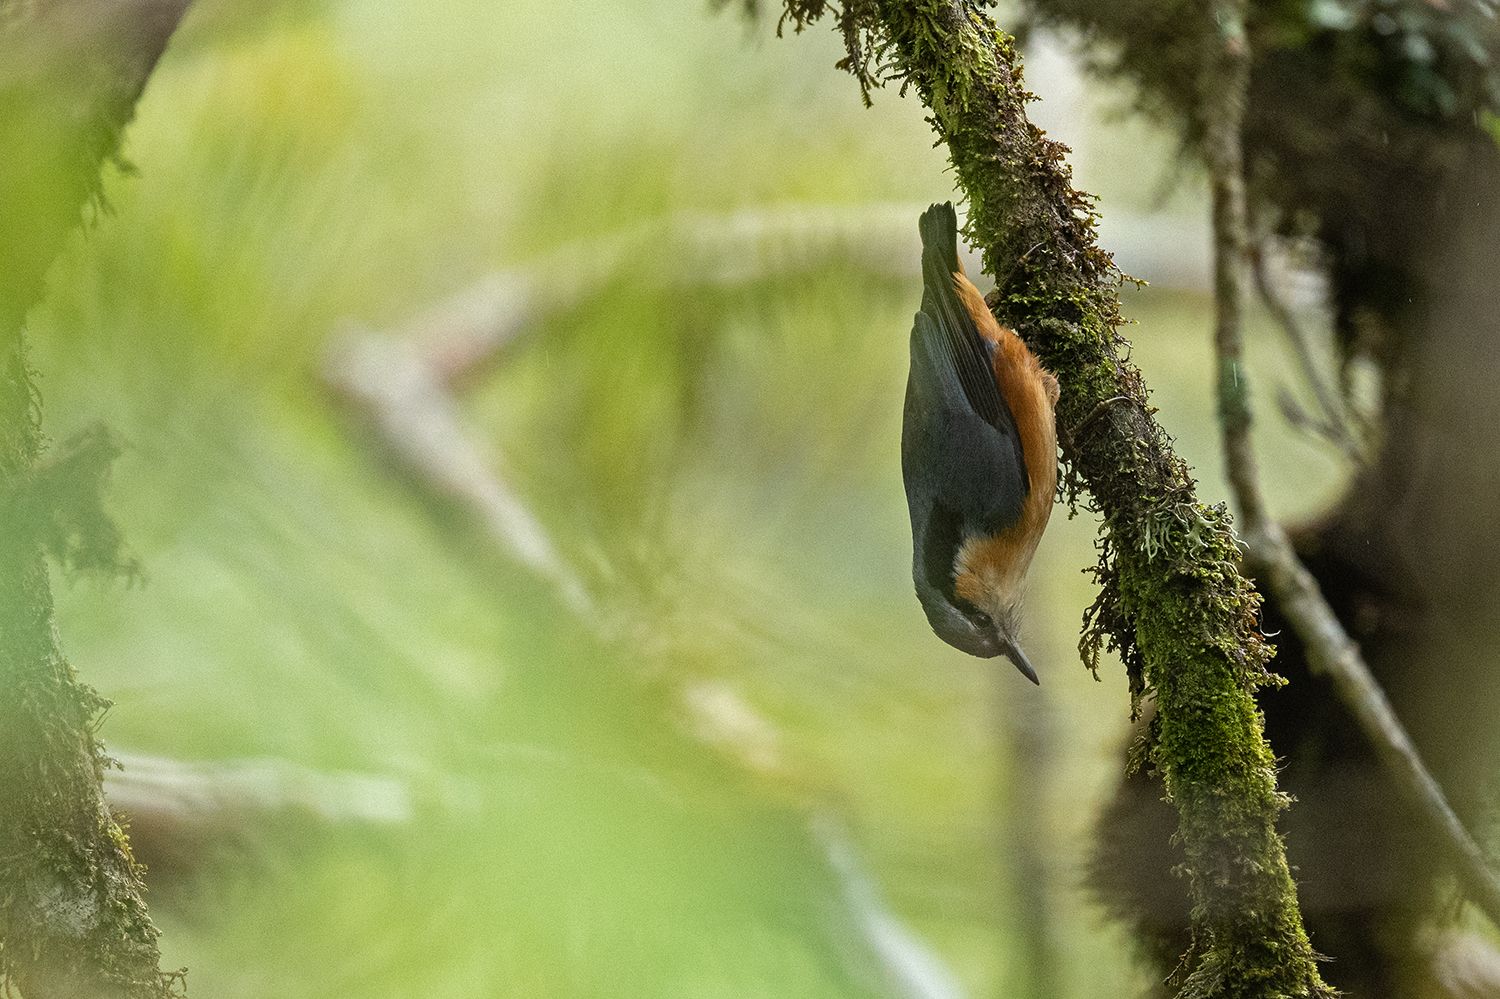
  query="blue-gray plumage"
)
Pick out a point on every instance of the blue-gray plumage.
point(963, 458)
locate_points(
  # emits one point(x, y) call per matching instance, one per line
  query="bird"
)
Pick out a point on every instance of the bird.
point(978, 456)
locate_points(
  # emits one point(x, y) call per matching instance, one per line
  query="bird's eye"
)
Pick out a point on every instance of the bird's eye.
point(976, 617)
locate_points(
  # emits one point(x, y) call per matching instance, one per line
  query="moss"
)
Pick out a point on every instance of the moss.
point(73, 918)
point(1172, 600)
point(60, 502)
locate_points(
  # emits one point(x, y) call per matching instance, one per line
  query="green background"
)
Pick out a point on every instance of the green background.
point(641, 802)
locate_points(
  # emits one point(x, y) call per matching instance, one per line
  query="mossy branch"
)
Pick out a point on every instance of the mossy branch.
point(73, 919)
point(1172, 599)
point(60, 502)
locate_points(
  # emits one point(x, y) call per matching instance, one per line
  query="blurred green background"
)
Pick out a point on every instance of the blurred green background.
point(764, 776)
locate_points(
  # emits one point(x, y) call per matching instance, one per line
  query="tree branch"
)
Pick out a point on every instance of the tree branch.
point(1223, 83)
point(1173, 601)
point(1335, 424)
point(1330, 650)
point(73, 920)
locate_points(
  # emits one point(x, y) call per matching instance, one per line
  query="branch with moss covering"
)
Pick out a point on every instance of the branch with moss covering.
point(1330, 650)
point(73, 920)
point(1172, 599)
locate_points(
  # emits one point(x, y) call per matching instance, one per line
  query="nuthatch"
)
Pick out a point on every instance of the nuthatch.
point(978, 453)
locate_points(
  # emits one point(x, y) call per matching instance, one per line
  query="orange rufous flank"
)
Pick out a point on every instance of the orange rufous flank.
point(1031, 393)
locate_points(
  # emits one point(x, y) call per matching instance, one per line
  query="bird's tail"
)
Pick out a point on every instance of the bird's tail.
point(939, 228)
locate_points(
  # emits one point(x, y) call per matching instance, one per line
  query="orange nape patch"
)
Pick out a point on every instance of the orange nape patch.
point(989, 571)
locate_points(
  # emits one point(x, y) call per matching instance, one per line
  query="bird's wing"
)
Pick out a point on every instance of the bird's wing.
point(971, 461)
point(961, 454)
point(957, 464)
point(963, 349)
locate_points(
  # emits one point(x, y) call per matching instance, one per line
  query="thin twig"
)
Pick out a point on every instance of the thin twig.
point(162, 792)
point(1334, 424)
point(1332, 653)
point(413, 415)
point(904, 965)
point(1330, 650)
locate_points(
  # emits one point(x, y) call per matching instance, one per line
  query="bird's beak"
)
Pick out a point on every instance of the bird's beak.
point(1013, 652)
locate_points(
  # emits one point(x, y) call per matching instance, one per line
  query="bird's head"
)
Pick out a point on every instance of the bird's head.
point(982, 624)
